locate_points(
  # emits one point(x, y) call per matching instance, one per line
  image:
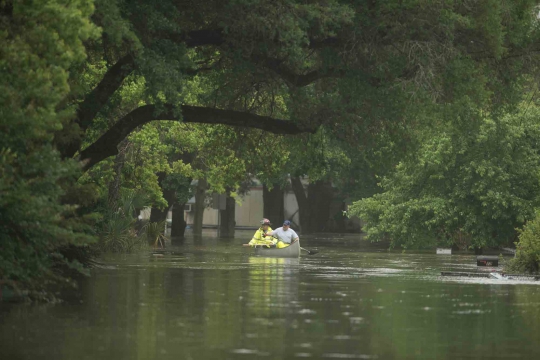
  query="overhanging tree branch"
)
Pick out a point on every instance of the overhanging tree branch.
point(95, 100)
point(107, 144)
point(204, 37)
point(93, 103)
point(291, 77)
point(98, 97)
point(114, 77)
point(299, 191)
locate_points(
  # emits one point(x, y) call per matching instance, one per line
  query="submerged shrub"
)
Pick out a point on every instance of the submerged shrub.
point(118, 230)
point(527, 257)
point(154, 233)
point(118, 235)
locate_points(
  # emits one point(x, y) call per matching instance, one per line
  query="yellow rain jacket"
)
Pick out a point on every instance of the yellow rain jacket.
point(280, 245)
point(260, 239)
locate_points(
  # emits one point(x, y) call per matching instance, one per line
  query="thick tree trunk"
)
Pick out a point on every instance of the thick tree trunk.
point(114, 185)
point(339, 219)
point(320, 195)
point(274, 204)
point(227, 220)
point(178, 226)
point(314, 208)
point(303, 205)
point(157, 215)
point(200, 196)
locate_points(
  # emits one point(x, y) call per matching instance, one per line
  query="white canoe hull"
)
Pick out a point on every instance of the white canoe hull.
point(291, 251)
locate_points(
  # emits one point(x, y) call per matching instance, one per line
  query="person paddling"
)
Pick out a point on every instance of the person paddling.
point(260, 237)
point(285, 235)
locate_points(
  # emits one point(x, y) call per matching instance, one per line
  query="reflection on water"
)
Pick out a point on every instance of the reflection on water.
point(214, 300)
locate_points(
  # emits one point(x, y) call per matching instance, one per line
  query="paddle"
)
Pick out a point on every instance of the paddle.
point(310, 252)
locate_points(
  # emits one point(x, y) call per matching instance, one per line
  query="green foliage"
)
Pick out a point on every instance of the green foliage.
point(180, 184)
point(34, 222)
point(380, 67)
point(117, 231)
point(153, 232)
point(118, 235)
point(149, 155)
point(527, 258)
point(39, 41)
point(470, 186)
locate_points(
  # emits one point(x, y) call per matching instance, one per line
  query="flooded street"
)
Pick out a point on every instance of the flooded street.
point(212, 299)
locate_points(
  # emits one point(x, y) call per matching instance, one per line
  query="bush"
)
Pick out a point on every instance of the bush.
point(527, 259)
point(469, 186)
point(153, 231)
point(118, 230)
point(35, 226)
point(40, 42)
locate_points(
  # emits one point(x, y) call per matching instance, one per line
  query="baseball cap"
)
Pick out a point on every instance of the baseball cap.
point(287, 222)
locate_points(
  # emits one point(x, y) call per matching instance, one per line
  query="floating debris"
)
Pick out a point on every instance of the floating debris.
point(465, 274)
point(443, 251)
point(492, 275)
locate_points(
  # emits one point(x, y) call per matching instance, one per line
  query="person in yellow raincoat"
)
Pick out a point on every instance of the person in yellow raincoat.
point(260, 237)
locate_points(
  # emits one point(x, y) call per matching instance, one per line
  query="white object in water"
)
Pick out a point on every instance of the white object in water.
point(496, 276)
point(510, 250)
point(442, 251)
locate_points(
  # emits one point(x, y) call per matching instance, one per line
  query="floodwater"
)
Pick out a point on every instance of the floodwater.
point(211, 299)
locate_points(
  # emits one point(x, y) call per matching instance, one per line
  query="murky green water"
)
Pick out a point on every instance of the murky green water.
point(212, 300)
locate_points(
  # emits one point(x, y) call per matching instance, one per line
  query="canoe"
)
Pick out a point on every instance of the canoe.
point(290, 251)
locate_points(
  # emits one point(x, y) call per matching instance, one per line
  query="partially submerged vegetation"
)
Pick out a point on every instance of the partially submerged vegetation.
point(469, 185)
point(527, 258)
point(118, 231)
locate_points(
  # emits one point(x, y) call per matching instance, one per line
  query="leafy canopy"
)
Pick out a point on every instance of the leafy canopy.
point(39, 41)
point(470, 186)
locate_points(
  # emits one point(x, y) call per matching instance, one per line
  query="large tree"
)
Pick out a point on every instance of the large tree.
point(360, 70)
point(470, 185)
point(39, 42)
point(288, 50)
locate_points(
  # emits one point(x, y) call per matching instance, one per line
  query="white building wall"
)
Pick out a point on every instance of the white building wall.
point(247, 214)
point(210, 216)
point(250, 211)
